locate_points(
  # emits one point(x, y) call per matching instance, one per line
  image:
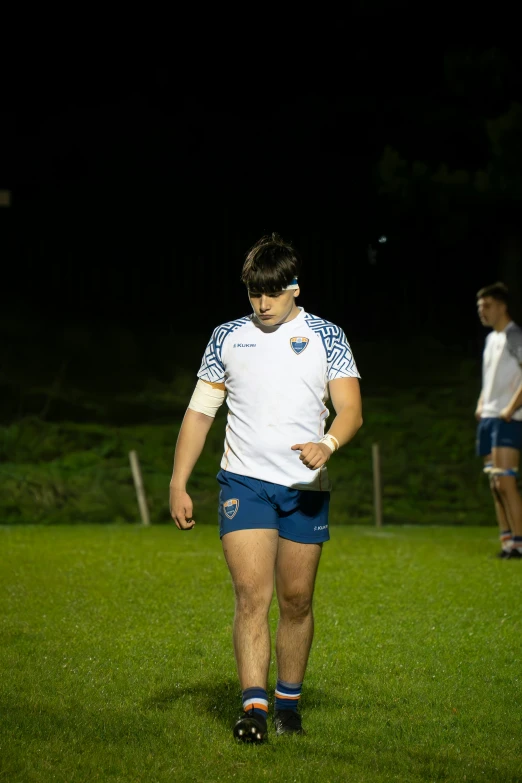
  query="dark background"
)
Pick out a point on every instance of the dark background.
point(138, 188)
point(141, 177)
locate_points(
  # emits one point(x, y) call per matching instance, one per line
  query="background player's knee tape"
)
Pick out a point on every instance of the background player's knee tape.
point(504, 472)
point(488, 468)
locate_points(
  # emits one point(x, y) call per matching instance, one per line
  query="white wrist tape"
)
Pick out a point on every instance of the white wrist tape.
point(206, 399)
point(330, 441)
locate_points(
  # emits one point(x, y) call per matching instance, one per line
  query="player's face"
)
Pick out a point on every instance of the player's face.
point(274, 309)
point(490, 310)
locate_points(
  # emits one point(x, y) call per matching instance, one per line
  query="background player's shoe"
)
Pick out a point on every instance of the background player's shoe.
point(503, 553)
point(514, 554)
point(288, 722)
point(251, 727)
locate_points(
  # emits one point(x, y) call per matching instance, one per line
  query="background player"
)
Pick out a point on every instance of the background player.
point(499, 413)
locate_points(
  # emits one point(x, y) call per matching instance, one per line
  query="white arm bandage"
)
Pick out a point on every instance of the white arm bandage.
point(206, 399)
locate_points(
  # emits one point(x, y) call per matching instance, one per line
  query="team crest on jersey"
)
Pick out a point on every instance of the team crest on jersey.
point(230, 507)
point(298, 344)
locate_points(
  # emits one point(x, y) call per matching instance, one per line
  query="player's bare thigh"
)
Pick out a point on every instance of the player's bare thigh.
point(505, 457)
point(251, 555)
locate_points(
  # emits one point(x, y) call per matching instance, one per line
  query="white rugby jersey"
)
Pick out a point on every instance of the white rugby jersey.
point(501, 371)
point(276, 382)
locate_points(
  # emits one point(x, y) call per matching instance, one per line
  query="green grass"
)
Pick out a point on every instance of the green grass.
point(117, 662)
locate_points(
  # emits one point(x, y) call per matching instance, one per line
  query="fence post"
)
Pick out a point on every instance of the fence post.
point(377, 492)
point(138, 484)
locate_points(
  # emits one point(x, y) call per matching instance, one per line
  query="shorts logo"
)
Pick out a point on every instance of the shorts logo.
point(321, 527)
point(230, 507)
point(298, 344)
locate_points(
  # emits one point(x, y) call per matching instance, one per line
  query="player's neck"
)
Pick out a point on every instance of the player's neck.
point(294, 312)
point(502, 322)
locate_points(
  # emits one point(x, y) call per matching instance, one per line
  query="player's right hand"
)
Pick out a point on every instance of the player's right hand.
point(181, 509)
point(478, 414)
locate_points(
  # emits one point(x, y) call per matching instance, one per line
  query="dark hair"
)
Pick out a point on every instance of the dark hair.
point(270, 265)
point(497, 291)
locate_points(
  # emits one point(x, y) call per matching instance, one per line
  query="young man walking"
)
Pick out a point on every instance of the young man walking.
point(276, 367)
point(499, 414)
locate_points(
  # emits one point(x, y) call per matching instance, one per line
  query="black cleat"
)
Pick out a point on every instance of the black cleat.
point(514, 554)
point(288, 722)
point(503, 553)
point(251, 727)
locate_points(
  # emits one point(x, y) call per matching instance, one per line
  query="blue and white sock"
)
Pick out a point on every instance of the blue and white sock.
point(255, 699)
point(287, 695)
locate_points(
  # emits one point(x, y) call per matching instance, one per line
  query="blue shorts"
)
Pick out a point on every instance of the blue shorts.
point(493, 433)
point(246, 503)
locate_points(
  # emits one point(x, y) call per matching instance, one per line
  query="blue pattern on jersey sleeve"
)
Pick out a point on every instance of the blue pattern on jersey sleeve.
point(212, 368)
point(514, 342)
point(339, 356)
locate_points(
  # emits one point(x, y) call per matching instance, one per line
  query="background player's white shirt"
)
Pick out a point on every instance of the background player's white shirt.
point(501, 371)
point(276, 384)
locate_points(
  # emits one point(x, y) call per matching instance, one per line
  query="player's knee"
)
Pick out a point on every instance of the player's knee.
point(250, 599)
point(505, 484)
point(295, 606)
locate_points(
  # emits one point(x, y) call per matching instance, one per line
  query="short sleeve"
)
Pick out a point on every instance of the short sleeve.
point(212, 366)
point(212, 369)
point(514, 343)
point(339, 356)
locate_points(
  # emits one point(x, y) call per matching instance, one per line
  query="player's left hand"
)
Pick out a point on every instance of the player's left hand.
point(313, 455)
point(506, 414)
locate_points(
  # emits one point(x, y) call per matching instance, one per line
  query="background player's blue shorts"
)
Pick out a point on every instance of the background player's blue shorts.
point(494, 433)
point(246, 503)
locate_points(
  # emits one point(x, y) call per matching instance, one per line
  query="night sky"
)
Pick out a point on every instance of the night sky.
point(137, 189)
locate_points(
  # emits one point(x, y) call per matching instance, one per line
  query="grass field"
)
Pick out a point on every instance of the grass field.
point(117, 663)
